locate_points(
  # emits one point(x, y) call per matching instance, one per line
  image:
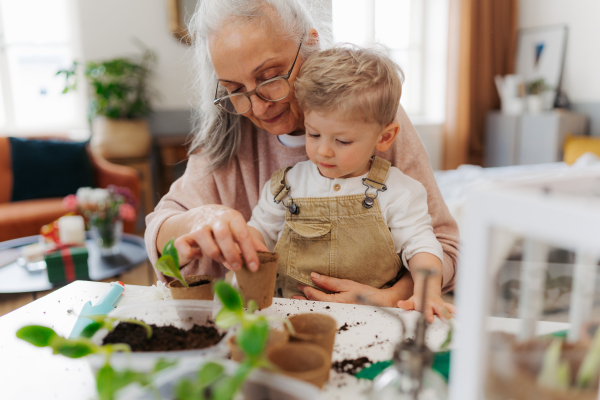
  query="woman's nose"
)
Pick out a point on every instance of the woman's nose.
point(259, 106)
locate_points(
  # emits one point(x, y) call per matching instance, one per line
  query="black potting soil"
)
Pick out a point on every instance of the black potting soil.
point(164, 338)
point(199, 283)
point(351, 367)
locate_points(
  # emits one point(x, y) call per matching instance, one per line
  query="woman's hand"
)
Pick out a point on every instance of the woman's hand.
point(347, 291)
point(221, 233)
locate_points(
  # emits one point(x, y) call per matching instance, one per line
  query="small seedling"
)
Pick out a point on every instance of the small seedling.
point(168, 263)
point(211, 382)
point(109, 323)
point(108, 381)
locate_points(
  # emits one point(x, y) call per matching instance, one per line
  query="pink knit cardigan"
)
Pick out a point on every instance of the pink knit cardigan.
point(239, 184)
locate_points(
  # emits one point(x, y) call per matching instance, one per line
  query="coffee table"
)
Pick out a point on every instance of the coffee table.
point(16, 279)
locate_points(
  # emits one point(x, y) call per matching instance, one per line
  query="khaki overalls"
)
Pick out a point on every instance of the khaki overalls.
point(342, 236)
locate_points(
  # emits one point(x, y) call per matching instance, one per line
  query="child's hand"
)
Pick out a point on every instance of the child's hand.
point(435, 306)
point(434, 303)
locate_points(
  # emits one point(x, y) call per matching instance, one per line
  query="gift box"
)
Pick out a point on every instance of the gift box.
point(67, 264)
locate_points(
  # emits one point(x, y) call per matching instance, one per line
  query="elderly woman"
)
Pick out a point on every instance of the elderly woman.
point(248, 54)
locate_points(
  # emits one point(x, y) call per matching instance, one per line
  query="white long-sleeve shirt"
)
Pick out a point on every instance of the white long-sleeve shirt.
point(403, 205)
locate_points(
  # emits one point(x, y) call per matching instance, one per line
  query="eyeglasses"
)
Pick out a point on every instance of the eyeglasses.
point(274, 89)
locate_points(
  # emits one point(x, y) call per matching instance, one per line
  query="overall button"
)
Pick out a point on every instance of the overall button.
point(337, 187)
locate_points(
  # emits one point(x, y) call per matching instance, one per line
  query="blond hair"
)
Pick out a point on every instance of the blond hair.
point(361, 84)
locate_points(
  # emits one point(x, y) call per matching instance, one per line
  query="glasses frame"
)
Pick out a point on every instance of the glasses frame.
point(286, 77)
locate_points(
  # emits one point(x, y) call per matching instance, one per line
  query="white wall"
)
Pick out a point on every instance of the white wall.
point(581, 76)
point(107, 28)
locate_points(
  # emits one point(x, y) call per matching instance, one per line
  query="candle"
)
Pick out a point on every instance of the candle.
point(71, 229)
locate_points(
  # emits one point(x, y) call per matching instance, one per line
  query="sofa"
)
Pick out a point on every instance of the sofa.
point(26, 217)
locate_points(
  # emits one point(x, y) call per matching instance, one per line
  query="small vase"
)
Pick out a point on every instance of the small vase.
point(107, 237)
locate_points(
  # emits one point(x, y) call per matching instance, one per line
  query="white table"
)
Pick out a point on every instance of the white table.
point(28, 372)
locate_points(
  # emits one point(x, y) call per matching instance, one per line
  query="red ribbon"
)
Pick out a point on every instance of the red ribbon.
point(69, 265)
point(67, 259)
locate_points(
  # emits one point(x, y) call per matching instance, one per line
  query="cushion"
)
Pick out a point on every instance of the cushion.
point(576, 146)
point(6, 175)
point(25, 218)
point(48, 168)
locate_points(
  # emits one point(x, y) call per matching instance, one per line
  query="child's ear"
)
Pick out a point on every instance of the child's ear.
point(388, 135)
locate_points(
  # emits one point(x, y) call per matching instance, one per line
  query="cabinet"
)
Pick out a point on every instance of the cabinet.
point(529, 138)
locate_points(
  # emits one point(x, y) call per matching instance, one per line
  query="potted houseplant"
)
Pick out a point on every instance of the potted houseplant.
point(195, 287)
point(105, 210)
point(535, 91)
point(120, 99)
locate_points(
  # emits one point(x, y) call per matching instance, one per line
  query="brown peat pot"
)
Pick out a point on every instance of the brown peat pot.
point(305, 361)
point(200, 288)
point(260, 285)
point(314, 328)
point(277, 337)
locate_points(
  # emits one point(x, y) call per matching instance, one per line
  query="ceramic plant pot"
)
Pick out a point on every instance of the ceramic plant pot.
point(276, 338)
point(260, 285)
point(120, 138)
point(314, 328)
point(196, 291)
point(304, 361)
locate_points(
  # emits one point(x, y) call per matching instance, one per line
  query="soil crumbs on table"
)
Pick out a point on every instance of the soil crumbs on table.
point(164, 338)
point(199, 283)
point(351, 367)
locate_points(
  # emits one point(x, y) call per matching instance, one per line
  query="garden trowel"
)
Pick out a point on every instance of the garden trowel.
point(105, 305)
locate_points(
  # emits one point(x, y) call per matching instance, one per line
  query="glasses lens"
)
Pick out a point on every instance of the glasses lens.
point(236, 104)
point(274, 90)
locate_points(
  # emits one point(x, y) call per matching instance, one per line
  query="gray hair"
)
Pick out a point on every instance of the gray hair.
point(218, 134)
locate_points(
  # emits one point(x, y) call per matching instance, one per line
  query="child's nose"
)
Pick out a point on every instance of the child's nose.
point(259, 106)
point(325, 151)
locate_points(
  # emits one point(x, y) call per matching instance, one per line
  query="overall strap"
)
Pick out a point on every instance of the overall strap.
point(279, 186)
point(378, 173)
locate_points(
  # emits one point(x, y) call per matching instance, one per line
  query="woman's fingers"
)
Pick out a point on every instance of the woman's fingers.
point(329, 283)
point(224, 239)
point(298, 297)
point(242, 236)
point(187, 248)
point(407, 305)
point(313, 294)
point(206, 242)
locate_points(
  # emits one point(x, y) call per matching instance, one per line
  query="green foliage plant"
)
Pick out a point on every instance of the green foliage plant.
point(537, 86)
point(118, 88)
point(168, 263)
point(211, 382)
point(108, 380)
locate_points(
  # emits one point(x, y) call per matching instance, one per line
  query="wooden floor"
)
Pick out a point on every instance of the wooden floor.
point(142, 275)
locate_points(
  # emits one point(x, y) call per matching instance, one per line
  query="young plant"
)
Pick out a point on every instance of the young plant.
point(168, 263)
point(211, 382)
point(108, 381)
point(591, 364)
point(109, 323)
point(555, 373)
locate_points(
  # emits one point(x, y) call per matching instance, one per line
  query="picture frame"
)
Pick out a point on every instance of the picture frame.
point(541, 54)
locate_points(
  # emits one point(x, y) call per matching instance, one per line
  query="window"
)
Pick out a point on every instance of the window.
point(414, 32)
point(36, 40)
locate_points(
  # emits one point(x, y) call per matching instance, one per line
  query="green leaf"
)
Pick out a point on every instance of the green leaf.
point(252, 337)
point(91, 329)
point(105, 379)
point(554, 373)
point(252, 306)
point(186, 390)
point(167, 266)
point(231, 298)
point(74, 348)
point(162, 364)
point(209, 373)
point(170, 250)
point(39, 336)
point(591, 363)
point(226, 318)
point(225, 389)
